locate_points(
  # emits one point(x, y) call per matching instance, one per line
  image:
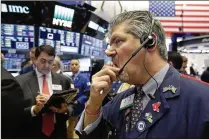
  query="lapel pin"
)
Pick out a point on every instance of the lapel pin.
point(171, 88)
point(155, 106)
point(127, 111)
point(151, 96)
point(141, 126)
point(149, 117)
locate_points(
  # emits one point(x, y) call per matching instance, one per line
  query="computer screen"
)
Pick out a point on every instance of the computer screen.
point(12, 61)
point(97, 27)
point(65, 41)
point(70, 41)
point(92, 47)
point(49, 36)
point(85, 64)
point(20, 37)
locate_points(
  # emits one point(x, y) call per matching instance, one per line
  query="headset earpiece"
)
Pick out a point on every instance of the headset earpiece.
point(151, 41)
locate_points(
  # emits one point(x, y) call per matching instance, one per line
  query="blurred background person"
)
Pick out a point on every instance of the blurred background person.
point(80, 81)
point(83, 84)
point(57, 65)
point(26, 63)
point(31, 65)
point(205, 75)
point(175, 60)
point(2, 59)
point(58, 68)
point(192, 71)
point(184, 65)
point(12, 106)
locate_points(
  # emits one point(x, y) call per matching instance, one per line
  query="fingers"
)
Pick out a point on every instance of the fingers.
point(42, 99)
point(102, 85)
point(102, 80)
point(63, 108)
point(54, 109)
point(107, 70)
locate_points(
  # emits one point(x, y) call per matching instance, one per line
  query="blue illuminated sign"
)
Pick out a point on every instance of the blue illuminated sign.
point(63, 16)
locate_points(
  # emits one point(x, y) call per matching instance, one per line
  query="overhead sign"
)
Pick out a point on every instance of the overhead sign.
point(196, 40)
point(14, 9)
point(63, 16)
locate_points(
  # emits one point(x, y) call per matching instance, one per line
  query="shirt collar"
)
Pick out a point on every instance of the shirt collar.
point(151, 86)
point(75, 75)
point(40, 74)
point(58, 71)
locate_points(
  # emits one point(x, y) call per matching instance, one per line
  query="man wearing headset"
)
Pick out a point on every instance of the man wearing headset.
point(163, 103)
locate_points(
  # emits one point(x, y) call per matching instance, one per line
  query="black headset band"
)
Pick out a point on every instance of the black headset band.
point(151, 42)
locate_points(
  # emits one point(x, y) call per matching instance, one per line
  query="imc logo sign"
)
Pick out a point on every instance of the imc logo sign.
point(14, 9)
point(63, 16)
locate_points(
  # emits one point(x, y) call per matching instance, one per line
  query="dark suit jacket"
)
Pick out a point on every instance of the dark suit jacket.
point(12, 106)
point(205, 76)
point(183, 114)
point(27, 69)
point(29, 84)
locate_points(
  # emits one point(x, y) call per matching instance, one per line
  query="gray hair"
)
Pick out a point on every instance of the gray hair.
point(59, 63)
point(139, 23)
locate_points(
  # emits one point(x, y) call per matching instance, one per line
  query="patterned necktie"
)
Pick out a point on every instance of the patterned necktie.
point(73, 76)
point(47, 118)
point(137, 107)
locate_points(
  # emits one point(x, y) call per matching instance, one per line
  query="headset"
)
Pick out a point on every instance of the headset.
point(151, 37)
point(148, 41)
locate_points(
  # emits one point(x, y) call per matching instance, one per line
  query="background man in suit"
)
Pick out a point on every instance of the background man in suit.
point(37, 86)
point(32, 59)
point(80, 81)
point(58, 66)
point(12, 106)
point(205, 75)
point(175, 60)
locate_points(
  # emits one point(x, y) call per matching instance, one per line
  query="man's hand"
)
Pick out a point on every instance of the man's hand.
point(63, 109)
point(40, 101)
point(101, 81)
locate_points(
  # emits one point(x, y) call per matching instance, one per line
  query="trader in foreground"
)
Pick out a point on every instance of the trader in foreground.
point(163, 104)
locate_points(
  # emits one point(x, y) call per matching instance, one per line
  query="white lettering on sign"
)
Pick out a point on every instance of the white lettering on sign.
point(22, 45)
point(63, 23)
point(205, 40)
point(14, 8)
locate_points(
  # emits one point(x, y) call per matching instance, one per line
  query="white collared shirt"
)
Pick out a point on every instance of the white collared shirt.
point(40, 81)
point(40, 84)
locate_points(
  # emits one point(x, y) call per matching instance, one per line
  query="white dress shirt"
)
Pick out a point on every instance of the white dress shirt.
point(40, 84)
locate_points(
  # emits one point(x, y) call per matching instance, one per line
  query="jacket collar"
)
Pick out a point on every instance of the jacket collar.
point(172, 78)
point(154, 83)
